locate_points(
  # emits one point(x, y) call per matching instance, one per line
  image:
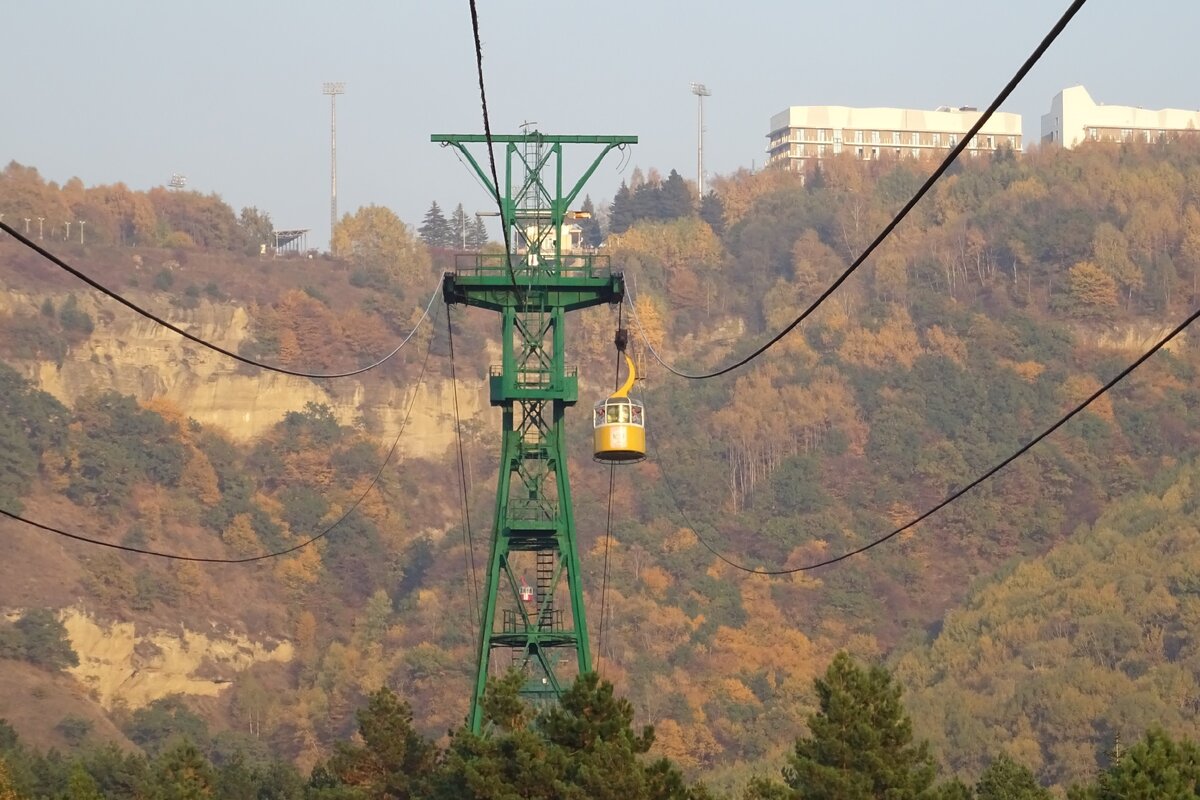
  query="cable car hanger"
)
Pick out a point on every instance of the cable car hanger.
point(619, 422)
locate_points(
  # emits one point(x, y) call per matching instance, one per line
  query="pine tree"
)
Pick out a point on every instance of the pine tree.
point(621, 217)
point(950, 790)
point(583, 746)
point(435, 230)
point(647, 202)
point(712, 211)
point(457, 229)
point(81, 785)
point(1005, 779)
point(182, 773)
point(675, 198)
point(593, 237)
point(860, 745)
point(1156, 768)
point(477, 235)
point(393, 760)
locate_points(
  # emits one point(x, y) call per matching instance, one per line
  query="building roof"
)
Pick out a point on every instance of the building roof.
point(900, 119)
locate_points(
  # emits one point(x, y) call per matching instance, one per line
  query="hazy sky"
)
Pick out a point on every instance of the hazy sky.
point(229, 92)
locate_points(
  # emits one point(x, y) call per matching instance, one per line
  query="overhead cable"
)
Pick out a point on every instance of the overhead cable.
point(612, 477)
point(1016, 79)
point(952, 497)
point(248, 559)
point(468, 537)
point(191, 337)
point(487, 134)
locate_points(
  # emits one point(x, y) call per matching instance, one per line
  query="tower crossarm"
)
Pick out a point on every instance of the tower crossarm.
point(550, 148)
point(576, 282)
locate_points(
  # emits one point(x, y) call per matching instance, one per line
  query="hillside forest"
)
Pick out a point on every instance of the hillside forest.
point(1041, 623)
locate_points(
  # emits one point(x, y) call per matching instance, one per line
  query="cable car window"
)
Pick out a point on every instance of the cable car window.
point(599, 420)
point(637, 415)
point(618, 413)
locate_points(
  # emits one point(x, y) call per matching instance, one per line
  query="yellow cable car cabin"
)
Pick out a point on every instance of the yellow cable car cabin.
point(620, 425)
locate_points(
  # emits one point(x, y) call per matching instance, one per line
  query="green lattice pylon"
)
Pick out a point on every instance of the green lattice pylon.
point(541, 623)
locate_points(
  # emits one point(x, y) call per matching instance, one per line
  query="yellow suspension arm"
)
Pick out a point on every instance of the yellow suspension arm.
point(625, 387)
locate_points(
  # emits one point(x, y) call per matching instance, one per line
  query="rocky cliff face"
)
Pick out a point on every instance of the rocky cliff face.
point(1130, 337)
point(119, 664)
point(135, 356)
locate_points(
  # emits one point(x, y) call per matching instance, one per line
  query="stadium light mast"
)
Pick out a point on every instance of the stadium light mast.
point(333, 89)
point(701, 91)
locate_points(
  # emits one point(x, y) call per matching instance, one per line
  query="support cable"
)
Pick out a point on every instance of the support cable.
point(191, 337)
point(179, 557)
point(612, 477)
point(1038, 52)
point(487, 134)
point(468, 538)
point(952, 497)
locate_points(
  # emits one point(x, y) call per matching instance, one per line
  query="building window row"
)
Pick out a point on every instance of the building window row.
point(799, 144)
point(917, 138)
point(1127, 134)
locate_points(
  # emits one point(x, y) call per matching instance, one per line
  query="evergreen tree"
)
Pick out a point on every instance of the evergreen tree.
point(620, 217)
point(647, 202)
point(1156, 768)
point(1005, 779)
point(163, 723)
point(435, 230)
point(675, 198)
point(593, 237)
point(951, 790)
point(712, 211)
point(44, 641)
point(458, 229)
point(765, 789)
point(182, 773)
point(477, 235)
point(81, 785)
point(860, 744)
point(117, 773)
point(584, 747)
point(393, 761)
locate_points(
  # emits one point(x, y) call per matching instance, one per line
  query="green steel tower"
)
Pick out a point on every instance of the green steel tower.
point(532, 288)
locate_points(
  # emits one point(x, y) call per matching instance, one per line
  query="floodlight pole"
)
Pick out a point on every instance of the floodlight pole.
point(82, 222)
point(701, 91)
point(333, 89)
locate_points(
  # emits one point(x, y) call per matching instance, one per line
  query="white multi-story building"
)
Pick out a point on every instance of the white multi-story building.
point(1075, 117)
point(803, 134)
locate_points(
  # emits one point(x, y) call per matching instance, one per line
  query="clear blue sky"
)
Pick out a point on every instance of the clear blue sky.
point(229, 92)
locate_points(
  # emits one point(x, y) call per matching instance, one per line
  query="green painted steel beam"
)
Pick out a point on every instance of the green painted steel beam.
point(533, 288)
point(522, 138)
